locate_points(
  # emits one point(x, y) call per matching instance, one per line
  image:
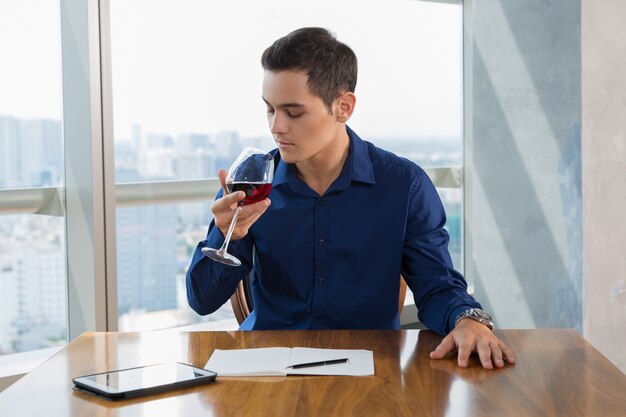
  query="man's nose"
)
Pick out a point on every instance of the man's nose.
point(278, 123)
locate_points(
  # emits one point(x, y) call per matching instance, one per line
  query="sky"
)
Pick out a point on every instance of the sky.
point(30, 59)
point(183, 66)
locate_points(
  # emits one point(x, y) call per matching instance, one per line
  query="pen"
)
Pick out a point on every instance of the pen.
point(320, 363)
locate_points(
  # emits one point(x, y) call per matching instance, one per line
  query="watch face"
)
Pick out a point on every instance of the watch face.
point(483, 315)
point(478, 315)
point(484, 318)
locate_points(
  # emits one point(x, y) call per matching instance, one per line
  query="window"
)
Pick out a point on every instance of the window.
point(186, 83)
point(33, 283)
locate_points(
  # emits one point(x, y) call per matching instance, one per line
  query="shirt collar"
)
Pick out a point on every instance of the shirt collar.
point(358, 166)
point(361, 169)
point(281, 172)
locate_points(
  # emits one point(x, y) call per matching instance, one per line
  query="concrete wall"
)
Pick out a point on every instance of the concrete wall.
point(545, 108)
point(604, 176)
point(523, 162)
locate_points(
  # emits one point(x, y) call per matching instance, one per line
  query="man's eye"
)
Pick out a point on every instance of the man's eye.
point(294, 116)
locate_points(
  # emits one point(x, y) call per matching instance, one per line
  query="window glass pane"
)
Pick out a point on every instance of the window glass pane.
point(155, 242)
point(33, 279)
point(187, 98)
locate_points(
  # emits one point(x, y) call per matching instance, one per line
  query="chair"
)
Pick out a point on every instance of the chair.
point(241, 300)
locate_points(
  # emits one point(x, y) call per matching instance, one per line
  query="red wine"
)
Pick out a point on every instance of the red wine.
point(255, 191)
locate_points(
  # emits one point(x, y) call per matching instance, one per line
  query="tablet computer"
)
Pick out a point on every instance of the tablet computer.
point(143, 380)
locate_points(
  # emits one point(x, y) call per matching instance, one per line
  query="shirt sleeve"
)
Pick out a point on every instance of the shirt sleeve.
point(440, 292)
point(209, 283)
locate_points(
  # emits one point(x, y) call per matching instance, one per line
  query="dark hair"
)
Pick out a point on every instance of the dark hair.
point(330, 65)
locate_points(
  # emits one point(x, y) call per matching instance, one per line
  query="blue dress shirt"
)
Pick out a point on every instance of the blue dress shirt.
point(334, 261)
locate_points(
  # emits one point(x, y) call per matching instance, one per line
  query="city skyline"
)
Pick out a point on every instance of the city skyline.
point(154, 242)
point(186, 97)
point(36, 148)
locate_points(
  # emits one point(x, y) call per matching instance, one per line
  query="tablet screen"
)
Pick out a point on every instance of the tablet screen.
point(143, 378)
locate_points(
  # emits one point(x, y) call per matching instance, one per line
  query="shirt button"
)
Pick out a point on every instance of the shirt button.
point(322, 280)
point(321, 242)
point(320, 202)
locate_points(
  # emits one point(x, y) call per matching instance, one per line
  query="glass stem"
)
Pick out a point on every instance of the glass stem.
point(233, 222)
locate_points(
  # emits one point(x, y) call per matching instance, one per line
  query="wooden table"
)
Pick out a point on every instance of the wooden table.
point(557, 374)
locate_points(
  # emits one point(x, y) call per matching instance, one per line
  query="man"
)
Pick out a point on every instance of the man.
point(345, 220)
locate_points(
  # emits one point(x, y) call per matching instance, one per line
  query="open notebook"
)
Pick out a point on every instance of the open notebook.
point(278, 361)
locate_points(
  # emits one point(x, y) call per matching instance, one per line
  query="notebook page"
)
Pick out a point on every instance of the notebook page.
point(360, 362)
point(249, 362)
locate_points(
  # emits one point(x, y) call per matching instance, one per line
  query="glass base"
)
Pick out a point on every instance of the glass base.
point(221, 256)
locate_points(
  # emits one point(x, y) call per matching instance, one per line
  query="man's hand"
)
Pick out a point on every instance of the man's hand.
point(224, 208)
point(470, 336)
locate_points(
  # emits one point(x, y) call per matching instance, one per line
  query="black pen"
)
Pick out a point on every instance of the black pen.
point(320, 363)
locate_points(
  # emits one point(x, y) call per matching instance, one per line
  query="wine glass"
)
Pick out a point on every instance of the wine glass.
point(252, 173)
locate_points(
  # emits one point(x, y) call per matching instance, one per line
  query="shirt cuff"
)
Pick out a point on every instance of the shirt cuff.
point(215, 239)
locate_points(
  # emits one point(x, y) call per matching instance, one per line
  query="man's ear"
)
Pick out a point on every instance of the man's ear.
point(345, 106)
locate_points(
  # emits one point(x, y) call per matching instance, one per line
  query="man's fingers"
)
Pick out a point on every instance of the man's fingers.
point(470, 336)
point(496, 355)
point(485, 351)
point(223, 210)
point(465, 350)
point(507, 354)
point(231, 200)
point(256, 209)
point(250, 213)
point(228, 199)
point(446, 346)
point(222, 174)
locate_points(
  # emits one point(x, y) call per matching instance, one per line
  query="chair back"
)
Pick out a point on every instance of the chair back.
point(241, 300)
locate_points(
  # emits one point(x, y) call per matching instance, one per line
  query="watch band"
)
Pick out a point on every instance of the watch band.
point(476, 314)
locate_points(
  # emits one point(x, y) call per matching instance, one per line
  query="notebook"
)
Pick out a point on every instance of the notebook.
point(279, 361)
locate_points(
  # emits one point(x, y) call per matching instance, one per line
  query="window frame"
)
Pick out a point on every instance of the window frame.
point(90, 196)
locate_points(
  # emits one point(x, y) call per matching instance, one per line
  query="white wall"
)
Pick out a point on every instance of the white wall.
point(545, 109)
point(522, 160)
point(604, 176)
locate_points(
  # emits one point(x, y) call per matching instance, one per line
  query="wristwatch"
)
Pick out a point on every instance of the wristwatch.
point(477, 314)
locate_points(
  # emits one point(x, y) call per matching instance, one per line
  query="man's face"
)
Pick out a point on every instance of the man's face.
point(301, 124)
